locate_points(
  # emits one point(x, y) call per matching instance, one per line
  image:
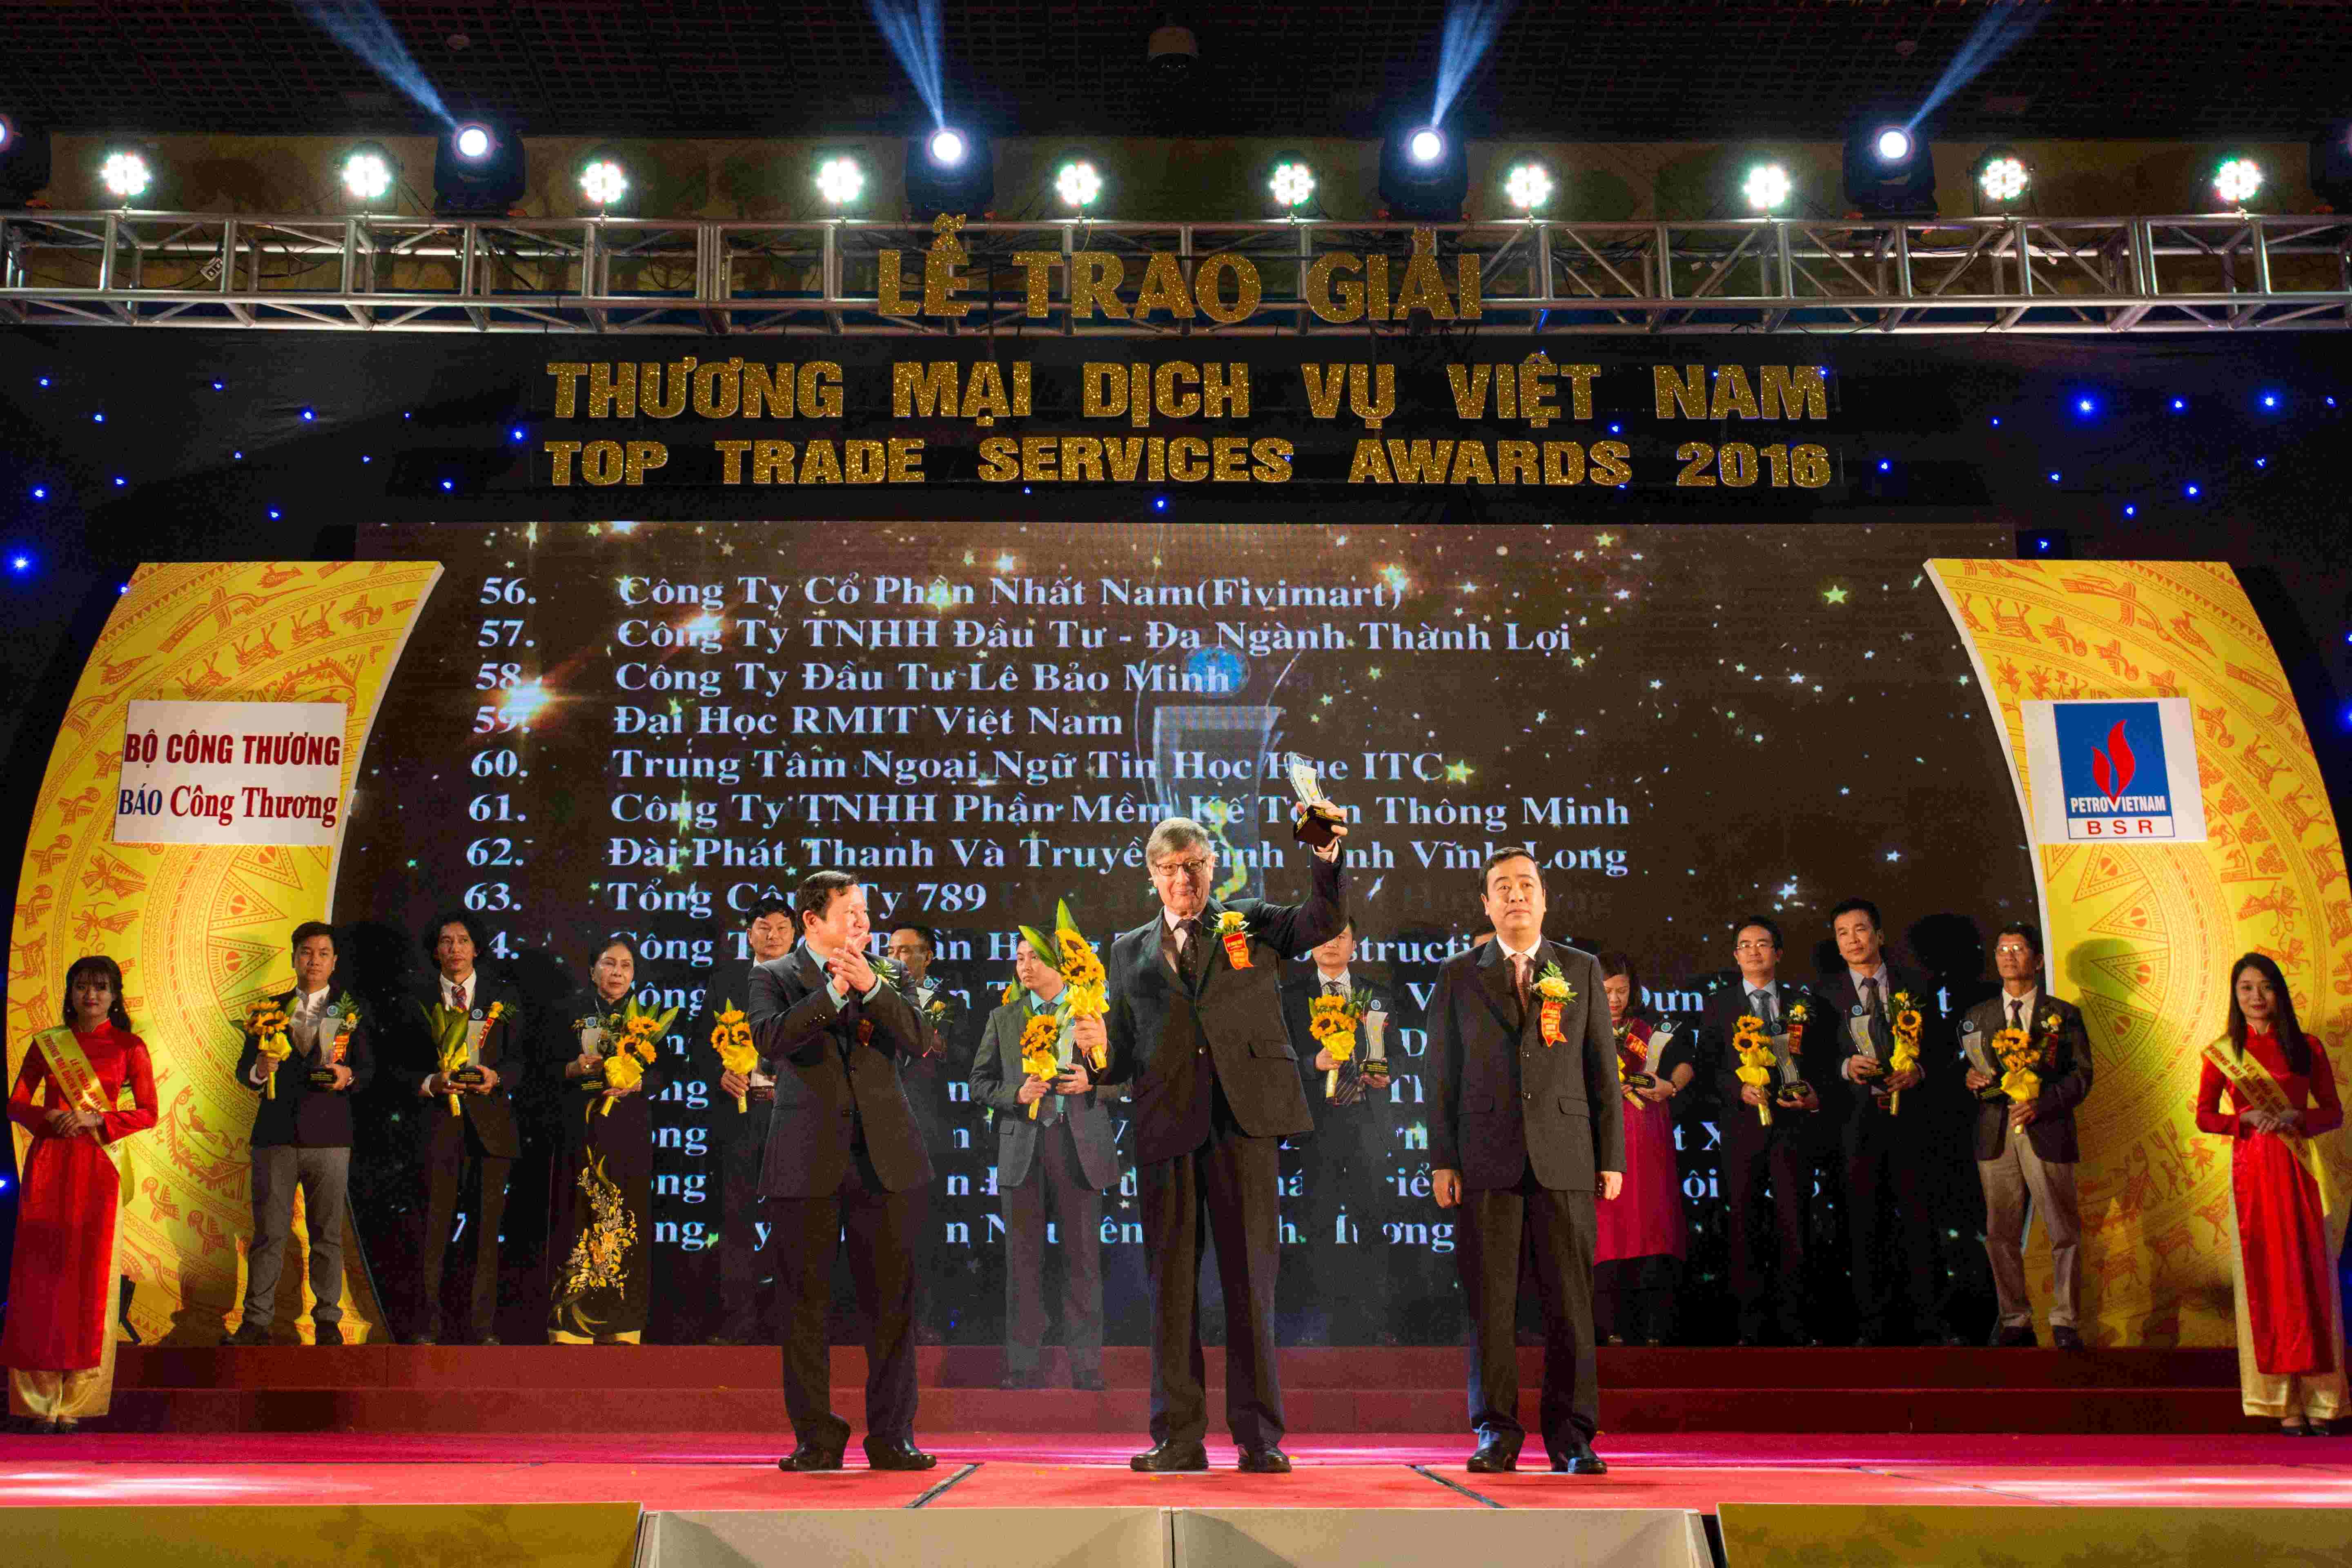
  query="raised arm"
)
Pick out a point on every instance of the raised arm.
point(785, 1029)
point(1295, 930)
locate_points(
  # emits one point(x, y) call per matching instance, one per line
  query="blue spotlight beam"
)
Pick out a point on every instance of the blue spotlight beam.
point(1999, 31)
point(914, 32)
point(361, 27)
point(1469, 33)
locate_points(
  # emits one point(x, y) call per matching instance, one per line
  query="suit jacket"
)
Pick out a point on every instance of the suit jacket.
point(505, 1047)
point(296, 1113)
point(1160, 1034)
point(1503, 1101)
point(836, 1080)
point(1860, 1108)
point(1822, 1048)
point(2066, 1077)
point(996, 1079)
point(1300, 986)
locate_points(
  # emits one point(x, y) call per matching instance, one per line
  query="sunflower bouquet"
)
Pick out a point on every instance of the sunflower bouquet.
point(1086, 987)
point(2013, 1049)
point(1905, 1055)
point(731, 1036)
point(1332, 1020)
point(637, 1032)
point(1041, 1054)
point(457, 1040)
point(1756, 1061)
point(267, 1023)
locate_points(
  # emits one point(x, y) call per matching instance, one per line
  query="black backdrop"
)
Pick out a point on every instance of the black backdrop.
point(248, 446)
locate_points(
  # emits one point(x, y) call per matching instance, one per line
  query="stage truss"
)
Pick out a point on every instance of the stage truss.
point(2217, 273)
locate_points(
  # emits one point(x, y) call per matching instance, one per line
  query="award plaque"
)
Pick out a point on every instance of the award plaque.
point(1312, 814)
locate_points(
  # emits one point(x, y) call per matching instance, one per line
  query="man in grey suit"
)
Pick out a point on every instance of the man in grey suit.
point(2029, 1149)
point(1053, 1140)
point(1525, 1122)
point(842, 1154)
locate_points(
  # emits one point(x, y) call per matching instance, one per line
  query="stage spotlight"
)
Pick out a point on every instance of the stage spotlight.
point(1767, 188)
point(1425, 175)
point(840, 182)
point(1888, 172)
point(368, 174)
point(950, 171)
point(2331, 166)
point(125, 176)
point(603, 181)
point(2001, 177)
point(23, 162)
point(1078, 184)
point(1528, 188)
point(1293, 183)
point(2236, 181)
point(476, 171)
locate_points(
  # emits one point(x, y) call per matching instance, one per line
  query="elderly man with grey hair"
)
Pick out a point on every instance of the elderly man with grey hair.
point(1195, 1025)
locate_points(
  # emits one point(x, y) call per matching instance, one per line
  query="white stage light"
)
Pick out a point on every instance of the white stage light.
point(367, 174)
point(1893, 144)
point(1078, 184)
point(603, 181)
point(2236, 181)
point(947, 147)
point(1293, 183)
point(2003, 179)
point(474, 142)
point(1529, 187)
point(125, 175)
point(1425, 145)
point(839, 181)
point(1767, 189)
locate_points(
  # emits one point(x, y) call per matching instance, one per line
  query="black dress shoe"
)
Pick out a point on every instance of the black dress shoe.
point(897, 1456)
point(327, 1333)
point(809, 1457)
point(2018, 1338)
point(1264, 1462)
point(1579, 1460)
point(248, 1334)
point(2067, 1338)
point(1167, 1457)
point(1495, 1456)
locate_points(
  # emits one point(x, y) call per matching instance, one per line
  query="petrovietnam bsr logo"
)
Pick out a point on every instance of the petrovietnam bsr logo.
point(2112, 761)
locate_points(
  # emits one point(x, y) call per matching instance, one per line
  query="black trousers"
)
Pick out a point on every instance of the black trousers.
point(1229, 1188)
point(1557, 1229)
point(1342, 1167)
point(742, 1261)
point(806, 1233)
point(456, 1169)
point(1878, 1168)
point(1757, 1231)
point(1054, 1176)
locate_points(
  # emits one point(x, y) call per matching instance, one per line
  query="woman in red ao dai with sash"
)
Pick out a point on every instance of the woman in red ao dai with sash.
point(2286, 1220)
point(1638, 1250)
point(60, 1343)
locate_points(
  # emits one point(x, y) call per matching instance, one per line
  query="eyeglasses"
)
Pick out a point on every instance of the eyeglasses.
point(1198, 865)
point(1752, 946)
point(2013, 950)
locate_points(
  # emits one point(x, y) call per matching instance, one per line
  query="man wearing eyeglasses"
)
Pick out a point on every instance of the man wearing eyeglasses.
point(1195, 1025)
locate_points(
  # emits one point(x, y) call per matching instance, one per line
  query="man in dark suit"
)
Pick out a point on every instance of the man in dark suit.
point(474, 1147)
point(302, 1137)
point(1783, 1154)
point(2028, 1148)
point(1525, 1122)
point(1341, 1165)
point(741, 1137)
point(1196, 1026)
point(1054, 1140)
point(843, 1153)
point(1887, 1144)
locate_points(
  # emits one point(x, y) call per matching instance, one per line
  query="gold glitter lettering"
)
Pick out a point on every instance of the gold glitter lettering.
point(1470, 464)
point(1370, 466)
point(567, 387)
point(718, 390)
point(1082, 458)
point(864, 462)
point(601, 462)
point(1037, 281)
point(612, 391)
point(772, 462)
point(1325, 384)
point(1037, 458)
point(1139, 395)
point(1563, 463)
point(1611, 463)
point(984, 401)
point(1188, 459)
point(923, 391)
point(999, 461)
point(1247, 289)
point(765, 399)
point(890, 287)
point(1372, 393)
point(1171, 393)
point(1225, 391)
point(1229, 460)
point(1423, 287)
point(561, 453)
point(1518, 463)
point(1270, 456)
point(1794, 392)
point(1539, 398)
point(1468, 383)
point(820, 464)
point(652, 387)
point(1732, 395)
point(642, 459)
point(906, 461)
point(1162, 288)
point(1579, 389)
point(821, 389)
point(1095, 280)
point(730, 460)
point(1102, 390)
point(941, 277)
point(1680, 391)
point(1339, 303)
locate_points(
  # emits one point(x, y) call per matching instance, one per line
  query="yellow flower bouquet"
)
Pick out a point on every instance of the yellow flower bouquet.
point(2013, 1049)
point(1085, 993)
point(1756, 1063)
point(731, 1036)
point(1905, 1055)
point(267, 1025)
point(1041, 1056)
point(1332, 1020)
point(637, 1032)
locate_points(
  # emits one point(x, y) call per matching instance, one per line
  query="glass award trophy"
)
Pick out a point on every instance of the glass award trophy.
point(1312, 814)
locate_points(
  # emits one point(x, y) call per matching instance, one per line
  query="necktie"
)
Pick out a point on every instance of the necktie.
point(1870, 997)
point(2017, 1012)
point(1188, 951)
point(458, 997)
point(1520, 963)
point(1761, 1001)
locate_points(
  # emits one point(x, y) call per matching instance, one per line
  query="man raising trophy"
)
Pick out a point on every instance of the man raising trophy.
point(1195, 1025)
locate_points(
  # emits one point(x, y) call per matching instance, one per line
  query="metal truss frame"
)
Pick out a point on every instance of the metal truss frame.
point(2215, 273)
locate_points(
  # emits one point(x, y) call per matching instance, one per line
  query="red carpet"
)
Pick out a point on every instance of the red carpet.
point(1039, 1470)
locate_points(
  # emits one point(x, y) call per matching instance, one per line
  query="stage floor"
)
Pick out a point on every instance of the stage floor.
point(719, 1471)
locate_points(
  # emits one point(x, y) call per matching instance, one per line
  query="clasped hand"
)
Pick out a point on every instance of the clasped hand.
point(849, 970)
point(66, 1119)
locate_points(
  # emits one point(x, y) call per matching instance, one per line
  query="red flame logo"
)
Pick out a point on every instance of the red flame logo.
point(2112, 767)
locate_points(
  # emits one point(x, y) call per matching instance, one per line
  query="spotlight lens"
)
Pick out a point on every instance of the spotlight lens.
point(1292, 183)
point(839, 181)
point(366, 176)
point(125, 175)
point(1425, 145)
point(947, 147)
point(1078, 184)
point(2002, 180)
point(2236, 181)
point(1768, 187)
point(1529, 187)
point(7, 132)
point(473, 141)
point(1893, 144)
point(603, 181)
